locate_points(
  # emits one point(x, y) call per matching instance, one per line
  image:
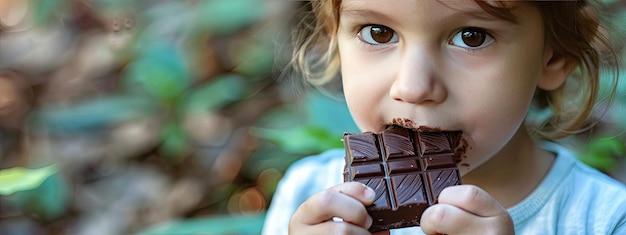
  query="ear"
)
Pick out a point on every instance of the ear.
point(556, 68)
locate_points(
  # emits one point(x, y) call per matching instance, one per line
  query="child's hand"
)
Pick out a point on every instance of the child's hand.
point(346, 201)
point(466, 209)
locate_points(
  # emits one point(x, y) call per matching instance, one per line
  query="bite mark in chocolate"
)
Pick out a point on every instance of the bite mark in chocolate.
point(406, 168)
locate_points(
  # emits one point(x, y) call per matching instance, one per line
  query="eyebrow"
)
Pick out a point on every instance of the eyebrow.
point(365, 14)
point(478, 14)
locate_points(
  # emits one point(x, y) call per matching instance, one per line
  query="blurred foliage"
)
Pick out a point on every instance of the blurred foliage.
point(164, 117)
point(217, 225)
point(120, 116)
point(603, 153)
point(21, 179)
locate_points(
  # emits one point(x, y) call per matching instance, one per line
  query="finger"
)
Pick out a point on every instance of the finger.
point(472, 199)
point(334, 202)
point(329, 227)
point(357, 191)
point(448, 219)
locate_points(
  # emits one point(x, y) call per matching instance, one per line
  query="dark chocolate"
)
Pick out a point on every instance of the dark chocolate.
point(406, 168)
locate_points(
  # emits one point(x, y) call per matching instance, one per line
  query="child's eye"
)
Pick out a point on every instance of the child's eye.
point(377, 34)
point(472, 38)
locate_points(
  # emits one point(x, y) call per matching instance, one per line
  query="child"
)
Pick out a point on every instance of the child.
point(472, 66)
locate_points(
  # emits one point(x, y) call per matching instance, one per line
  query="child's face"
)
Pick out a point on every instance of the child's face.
point(441, 64)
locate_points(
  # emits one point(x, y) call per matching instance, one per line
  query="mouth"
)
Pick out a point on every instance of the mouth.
point(407, 123)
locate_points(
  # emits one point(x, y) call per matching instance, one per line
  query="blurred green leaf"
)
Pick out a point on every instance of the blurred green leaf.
point(234, 224)
point(173, 20)
point(329, 112)
point(48, 199)
point(284, 116)
point(610, 1)
point(92, 114)
point(603, 153)
point(599, 161)
point(111, 3)
point(255, 59)
point(160, 70)
point(175, 142)
point(221, 17)
point(306, 139)
point(51, 199)
point(212, 96)
point(20, 179)
point(44, 10)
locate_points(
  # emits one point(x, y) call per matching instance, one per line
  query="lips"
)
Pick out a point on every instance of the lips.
point(407, 123)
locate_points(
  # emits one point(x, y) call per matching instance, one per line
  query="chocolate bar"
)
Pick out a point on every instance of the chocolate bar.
point(406, 168)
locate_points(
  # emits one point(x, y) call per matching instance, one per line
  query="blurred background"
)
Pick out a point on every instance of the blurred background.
point(170, 116)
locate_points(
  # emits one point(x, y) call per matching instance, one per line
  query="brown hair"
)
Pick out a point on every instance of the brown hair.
point(572, 28)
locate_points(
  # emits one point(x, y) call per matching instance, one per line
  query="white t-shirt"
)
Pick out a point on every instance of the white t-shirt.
point(572, 199)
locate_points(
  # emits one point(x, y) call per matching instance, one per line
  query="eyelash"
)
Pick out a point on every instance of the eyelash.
point(490, 39)
point(360, 39)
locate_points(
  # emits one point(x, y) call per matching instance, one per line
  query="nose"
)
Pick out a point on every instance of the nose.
point(417, 80)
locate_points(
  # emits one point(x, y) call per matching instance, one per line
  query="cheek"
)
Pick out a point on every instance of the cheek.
point(500, 99)
point(360, 96)
point(364, 89)
point(490, 129)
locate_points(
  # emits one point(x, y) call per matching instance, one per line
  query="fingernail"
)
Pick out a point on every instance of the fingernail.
point(369, 193)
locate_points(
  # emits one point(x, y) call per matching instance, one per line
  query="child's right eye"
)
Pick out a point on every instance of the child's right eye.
point(377, 34)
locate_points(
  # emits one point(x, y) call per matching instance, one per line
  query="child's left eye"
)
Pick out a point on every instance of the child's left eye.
point(377, 34)
point(472, 38)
